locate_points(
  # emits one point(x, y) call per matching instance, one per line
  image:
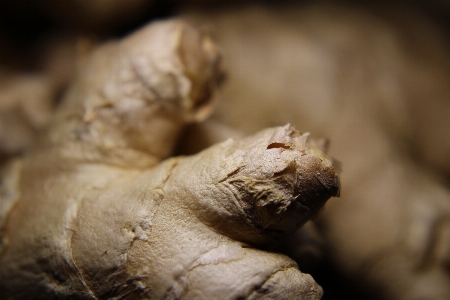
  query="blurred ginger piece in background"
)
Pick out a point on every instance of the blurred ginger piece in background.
point(25, 106)
point(377, 83)
point(31, 81)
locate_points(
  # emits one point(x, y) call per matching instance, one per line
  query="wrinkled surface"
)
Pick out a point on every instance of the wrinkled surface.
point(105, 218)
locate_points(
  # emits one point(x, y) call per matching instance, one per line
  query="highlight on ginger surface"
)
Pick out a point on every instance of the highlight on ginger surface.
point(97, 209)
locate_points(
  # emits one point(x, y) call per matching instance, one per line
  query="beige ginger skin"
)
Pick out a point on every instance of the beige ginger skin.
point(97, 210)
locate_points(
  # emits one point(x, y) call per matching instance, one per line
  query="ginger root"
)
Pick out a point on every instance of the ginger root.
point(97, 210)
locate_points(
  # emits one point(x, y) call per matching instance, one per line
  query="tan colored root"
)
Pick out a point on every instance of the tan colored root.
point(105, 218)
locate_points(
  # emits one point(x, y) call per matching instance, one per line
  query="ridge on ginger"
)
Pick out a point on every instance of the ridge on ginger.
point(96, 209)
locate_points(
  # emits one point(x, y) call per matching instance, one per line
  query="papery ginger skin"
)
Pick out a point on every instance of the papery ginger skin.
point(97, 216)
point(211, 256)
